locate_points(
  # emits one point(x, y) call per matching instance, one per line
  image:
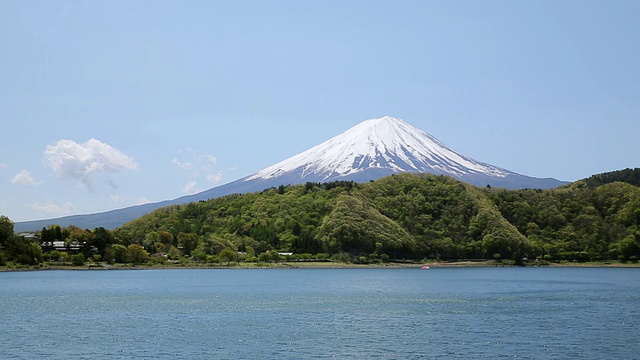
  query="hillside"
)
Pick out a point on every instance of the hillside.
point(403, 216)
point(413, 216)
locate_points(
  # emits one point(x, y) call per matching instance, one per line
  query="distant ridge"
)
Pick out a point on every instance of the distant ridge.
point(368, 151)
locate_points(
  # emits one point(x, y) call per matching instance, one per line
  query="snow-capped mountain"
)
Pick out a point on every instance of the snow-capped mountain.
point(368, 151)
point(388, 145)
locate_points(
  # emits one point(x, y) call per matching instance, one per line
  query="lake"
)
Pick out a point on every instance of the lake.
point(443, 313)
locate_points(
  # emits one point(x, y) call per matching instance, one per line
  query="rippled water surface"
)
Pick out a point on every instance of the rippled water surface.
point(444, 313)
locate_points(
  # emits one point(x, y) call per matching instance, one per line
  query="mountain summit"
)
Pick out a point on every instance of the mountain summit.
point(384, 146)
point(368, 151)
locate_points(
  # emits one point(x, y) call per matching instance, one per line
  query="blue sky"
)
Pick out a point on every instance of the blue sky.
point(107, 104)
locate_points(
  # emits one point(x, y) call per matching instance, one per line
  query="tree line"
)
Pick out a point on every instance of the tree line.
point(404, 216)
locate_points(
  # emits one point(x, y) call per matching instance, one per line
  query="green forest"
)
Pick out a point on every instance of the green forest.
point(404, 217)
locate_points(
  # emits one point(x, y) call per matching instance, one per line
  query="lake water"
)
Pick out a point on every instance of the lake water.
point(443, 313)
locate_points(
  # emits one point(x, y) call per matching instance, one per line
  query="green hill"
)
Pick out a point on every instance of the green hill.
point(414, 216)
point(404, 216)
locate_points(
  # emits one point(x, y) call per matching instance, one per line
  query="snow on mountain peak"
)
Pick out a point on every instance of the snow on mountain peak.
point(384, 143)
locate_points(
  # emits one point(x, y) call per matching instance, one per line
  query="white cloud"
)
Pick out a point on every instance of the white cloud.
point(197, 162)
point(215, 178)
point(117, 199)
point(69, 159)
point(187, 166)
point(212, 159)
point(190, 188)
point(53, 209)
point(2, 166)
point(24, 178)
point(197, 165)
point(125, 201)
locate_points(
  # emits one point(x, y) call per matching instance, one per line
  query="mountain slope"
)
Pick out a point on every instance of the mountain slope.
point(405, 216)
point(416, 216)
point(384, 143)
point(384, 146)
point(368, 151)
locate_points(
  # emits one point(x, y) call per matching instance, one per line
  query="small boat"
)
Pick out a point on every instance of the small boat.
point(425, 267)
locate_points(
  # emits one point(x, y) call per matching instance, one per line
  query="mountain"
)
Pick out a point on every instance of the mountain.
point(380, 147)
point(368, 151)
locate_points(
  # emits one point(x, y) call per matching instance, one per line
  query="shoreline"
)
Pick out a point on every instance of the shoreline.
point(318, 265)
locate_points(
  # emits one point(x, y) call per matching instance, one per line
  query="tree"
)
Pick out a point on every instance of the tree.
point(101, 239)
point(119, 253)
point(626, 247)
point(77, 259)
point(173, 253)
point(213, 245)
point(150, 240)
point(137, 254)
point(23, 251)
point(167, 239)
point(198, 254)
point(188, 242)
point(78, 237)
point(228, 255)
point(508, 243)
point(6, 230)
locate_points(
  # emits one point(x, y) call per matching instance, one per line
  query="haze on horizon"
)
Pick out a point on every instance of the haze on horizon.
point(110, 104)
